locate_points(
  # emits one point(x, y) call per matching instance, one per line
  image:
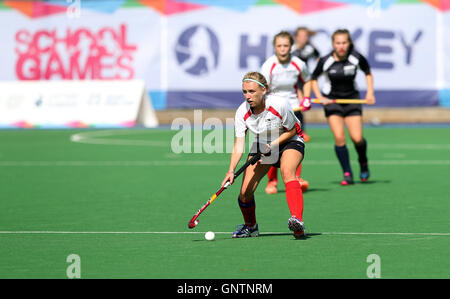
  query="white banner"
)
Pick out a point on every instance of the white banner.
point(75, 104)
point(445, 53)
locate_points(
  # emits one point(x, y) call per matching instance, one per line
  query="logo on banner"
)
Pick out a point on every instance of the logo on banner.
point(197, 50)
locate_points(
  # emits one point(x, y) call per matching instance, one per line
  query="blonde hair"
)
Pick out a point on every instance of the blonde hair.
point(256, 77)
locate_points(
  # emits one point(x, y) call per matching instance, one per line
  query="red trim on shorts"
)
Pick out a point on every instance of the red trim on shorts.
point(274, 112)
point(247, 115)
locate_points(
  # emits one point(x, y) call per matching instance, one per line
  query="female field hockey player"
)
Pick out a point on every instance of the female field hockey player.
point(306, 52)
point(303, 47)
point(283, 73)
point(340, 67)
point(277, 131)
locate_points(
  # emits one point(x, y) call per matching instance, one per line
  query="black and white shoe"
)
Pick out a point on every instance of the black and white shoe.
point(298, 227)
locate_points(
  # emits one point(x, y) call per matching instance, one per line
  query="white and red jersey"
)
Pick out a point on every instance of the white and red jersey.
point(278, 117)
point(283, 78)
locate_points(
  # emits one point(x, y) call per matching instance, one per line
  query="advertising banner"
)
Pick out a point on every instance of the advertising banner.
point(205, 53)
point(75, 104)
point(193, 53)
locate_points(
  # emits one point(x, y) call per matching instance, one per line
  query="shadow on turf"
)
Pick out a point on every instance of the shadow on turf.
point(374, 182)
point(339, 182)
point(365, 183)
point(308, 236)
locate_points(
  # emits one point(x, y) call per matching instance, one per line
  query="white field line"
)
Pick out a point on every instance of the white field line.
point(198, 232)
point(144, 163)
point(110, 163)
point(96, 137)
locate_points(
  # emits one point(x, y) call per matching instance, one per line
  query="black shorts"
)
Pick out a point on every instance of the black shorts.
point(343, 109)
point(275, 156)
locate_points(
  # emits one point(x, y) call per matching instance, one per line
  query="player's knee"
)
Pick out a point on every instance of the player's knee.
point(287, 174)
point(358, 140)
point(246, 196)
point(339, 140)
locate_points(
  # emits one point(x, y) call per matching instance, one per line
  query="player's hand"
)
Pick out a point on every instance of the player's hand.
point(265, 150)
point(370, 98)
point(305, 104)
point(325, 101)
point(229, 177)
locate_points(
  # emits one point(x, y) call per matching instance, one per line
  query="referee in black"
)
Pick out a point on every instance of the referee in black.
point(340, 69)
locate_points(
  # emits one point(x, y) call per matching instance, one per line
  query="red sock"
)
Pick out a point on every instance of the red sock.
point(299, 171)
point(273, 174)
point(294, 196)
point(248, 211)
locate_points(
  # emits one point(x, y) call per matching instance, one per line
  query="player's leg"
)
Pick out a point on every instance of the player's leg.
point(246, 200)
point(337, 123)
point(289, 161)
point(355, 130)
point(303, 183)
point(272, 181)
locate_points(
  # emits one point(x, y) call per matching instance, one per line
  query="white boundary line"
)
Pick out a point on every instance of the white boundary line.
point(146, 163)
point(197, 232)
point(95, 137)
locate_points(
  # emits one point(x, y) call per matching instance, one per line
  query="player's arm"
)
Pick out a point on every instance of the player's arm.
point(315, 85)
point(288, 121)
point(316, 89)
point(370, 94)
point(305, 96)
point(364, 66)
point(307, 89)
point(305, 102)
point(284, 137)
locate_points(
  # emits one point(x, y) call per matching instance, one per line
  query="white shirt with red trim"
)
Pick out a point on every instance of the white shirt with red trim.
point(278, 117)
point(283, 79)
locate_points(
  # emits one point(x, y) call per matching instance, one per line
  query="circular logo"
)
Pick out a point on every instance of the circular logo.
point(197, 50)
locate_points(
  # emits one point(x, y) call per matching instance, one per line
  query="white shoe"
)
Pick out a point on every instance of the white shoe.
point(298, 227)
